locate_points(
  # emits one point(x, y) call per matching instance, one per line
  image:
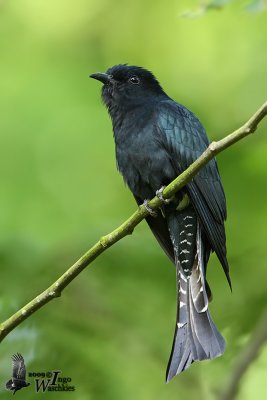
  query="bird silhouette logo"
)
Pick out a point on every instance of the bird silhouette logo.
point(18, 380)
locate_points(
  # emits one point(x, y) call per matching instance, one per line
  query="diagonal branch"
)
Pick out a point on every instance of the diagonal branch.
point(245, 359)
point(128, 226)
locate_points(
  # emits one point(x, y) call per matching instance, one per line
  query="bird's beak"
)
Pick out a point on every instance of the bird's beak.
point(101, 76)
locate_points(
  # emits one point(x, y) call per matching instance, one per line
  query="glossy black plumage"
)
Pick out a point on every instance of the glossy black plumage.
point(156, 139)
point(18, 380)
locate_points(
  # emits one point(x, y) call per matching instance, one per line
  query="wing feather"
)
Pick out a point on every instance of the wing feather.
point(185, 140)
point(19, 369)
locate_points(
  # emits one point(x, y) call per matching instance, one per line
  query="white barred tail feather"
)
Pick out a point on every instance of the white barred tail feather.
point(196, 336)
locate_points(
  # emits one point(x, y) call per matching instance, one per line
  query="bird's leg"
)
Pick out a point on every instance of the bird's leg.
point(160, 196)
point(151, 212)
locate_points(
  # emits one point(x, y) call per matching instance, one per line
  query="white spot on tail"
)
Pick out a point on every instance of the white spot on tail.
point(186, 241)
point(184, 252)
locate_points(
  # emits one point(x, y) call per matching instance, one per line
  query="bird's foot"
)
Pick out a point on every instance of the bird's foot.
point(160, 196)
point(149, 209)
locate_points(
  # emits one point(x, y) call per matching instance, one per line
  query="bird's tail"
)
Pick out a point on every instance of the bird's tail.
point(196, 336)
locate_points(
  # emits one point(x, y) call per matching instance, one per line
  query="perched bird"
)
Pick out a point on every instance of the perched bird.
point(18, 380)
point(156, 139)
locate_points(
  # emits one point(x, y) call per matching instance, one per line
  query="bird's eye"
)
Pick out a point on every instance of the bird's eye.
point(134, 79)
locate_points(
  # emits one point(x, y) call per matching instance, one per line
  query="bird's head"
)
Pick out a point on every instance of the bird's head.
point(126, 86)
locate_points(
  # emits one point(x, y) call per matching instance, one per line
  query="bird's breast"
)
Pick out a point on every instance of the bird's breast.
point(142, 160)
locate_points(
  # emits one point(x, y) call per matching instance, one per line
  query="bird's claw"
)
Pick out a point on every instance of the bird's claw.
point(160, 196)
point(149, 209)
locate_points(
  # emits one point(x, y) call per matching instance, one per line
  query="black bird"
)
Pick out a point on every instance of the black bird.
point(156, 139)
point(18, 380)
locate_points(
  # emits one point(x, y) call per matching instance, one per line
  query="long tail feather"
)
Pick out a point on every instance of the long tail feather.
point(196, 336)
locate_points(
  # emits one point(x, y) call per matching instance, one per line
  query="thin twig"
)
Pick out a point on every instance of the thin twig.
point(246, 358)
point(128, 226)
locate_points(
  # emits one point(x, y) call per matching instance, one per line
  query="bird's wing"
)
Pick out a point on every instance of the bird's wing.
point(19, 369)
point(185, 139)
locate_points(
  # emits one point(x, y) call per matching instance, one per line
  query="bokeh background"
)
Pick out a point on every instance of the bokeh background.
point(111, 331)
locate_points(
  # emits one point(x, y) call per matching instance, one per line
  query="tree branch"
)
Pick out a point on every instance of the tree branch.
point(246, 358)
point(128, 226)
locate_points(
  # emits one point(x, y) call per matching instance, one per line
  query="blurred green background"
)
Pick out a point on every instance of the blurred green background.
point(112, 329)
